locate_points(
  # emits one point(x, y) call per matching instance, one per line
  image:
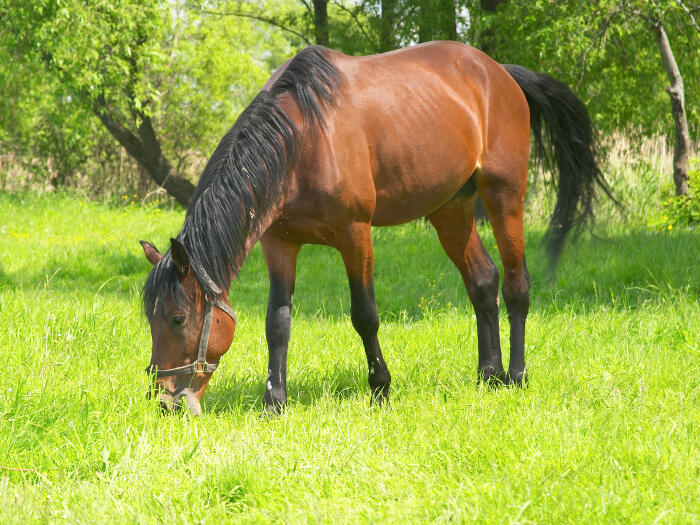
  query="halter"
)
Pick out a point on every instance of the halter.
point(200, 366)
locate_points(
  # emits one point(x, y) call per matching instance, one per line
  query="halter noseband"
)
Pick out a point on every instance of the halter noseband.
point(200, 366)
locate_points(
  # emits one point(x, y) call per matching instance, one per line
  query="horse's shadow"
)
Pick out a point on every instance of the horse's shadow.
point(618, 270)
point(411, 281)
point(245, 394)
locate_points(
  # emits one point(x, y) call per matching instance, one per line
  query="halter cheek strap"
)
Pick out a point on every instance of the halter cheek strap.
point(200, 366)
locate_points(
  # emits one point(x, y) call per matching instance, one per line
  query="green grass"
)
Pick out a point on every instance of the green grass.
point(607, 430)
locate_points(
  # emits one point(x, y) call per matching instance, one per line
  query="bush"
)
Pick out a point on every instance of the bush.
point(681, 211)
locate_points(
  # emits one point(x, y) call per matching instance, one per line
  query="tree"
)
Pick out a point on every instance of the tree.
point(41, 121)
point(676, 91)
point(142, 66)
point(321, 21)
point(486, 38)
point(437, 20)
point(608, 50)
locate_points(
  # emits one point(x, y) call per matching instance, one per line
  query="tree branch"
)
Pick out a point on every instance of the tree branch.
point(259, 18)
point(146, 150)
point(597, 39)
point(353, 15)
point(126, 138)
point(689, 13)
point(308, 7)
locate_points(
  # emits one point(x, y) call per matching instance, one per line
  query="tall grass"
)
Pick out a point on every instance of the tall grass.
point(639, 170)
point(606, 432)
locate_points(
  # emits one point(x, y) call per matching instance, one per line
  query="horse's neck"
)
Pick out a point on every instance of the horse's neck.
point(270, 216)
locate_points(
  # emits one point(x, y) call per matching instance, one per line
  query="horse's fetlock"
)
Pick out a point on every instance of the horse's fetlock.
point(379, 379)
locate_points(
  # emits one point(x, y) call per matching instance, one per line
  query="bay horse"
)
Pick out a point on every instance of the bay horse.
point(334, 145)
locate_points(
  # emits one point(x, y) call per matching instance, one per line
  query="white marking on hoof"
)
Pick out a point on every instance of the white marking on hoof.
point(269, 386)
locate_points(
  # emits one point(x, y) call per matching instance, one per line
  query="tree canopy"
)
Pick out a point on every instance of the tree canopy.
point(165, 80)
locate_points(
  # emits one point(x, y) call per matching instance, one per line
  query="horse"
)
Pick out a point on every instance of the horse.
point(335, 144)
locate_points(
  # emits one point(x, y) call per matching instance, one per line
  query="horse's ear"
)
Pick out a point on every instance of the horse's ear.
point(151, 252)
point(180, 257)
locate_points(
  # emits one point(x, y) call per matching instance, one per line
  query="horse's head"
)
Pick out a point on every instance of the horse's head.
point(190, 329)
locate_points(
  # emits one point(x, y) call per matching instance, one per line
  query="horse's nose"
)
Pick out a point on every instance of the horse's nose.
point(166, 401)
point(171, 403)
point(168, 407)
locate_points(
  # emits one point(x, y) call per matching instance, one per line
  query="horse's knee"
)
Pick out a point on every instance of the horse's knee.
point(483, 290)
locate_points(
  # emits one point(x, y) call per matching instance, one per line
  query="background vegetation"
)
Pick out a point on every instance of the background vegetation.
point(132, 96)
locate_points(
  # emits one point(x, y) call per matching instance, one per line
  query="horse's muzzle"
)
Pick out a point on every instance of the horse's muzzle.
point(172, 402)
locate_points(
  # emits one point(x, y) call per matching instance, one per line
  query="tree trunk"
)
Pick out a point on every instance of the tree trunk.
point(677, 93)
point(487, 38)
point(387, 42)
point(321, 21)
point(437, 20)
point(145, 149)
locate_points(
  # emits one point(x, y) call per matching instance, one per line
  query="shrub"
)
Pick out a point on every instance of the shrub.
point(679, 211)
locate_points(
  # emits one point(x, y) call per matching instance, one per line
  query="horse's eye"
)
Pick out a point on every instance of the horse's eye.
point(178, 320)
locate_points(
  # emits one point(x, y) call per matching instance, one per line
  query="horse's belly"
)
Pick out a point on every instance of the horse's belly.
point(410, 200)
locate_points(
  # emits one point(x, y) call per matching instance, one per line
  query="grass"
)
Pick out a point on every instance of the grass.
point(607, 430)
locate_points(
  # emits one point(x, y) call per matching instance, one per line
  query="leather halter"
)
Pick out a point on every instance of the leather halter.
point(200, 366)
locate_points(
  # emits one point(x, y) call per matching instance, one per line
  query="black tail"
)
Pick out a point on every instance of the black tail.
point(570, 145)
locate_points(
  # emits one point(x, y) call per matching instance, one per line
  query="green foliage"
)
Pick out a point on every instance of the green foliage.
point(604, 51)
point(680, 211)
point(191, 66)
point(41, 120)
point(215, 66)
point(190, 72)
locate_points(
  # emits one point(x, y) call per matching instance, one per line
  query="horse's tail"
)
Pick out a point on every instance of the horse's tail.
point(570, 144)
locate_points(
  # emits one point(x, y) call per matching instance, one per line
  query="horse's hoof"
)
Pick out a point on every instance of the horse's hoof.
point(517, 378)
point(491, 378)
point(380, 396)
point(273, 407)
point(274, 410)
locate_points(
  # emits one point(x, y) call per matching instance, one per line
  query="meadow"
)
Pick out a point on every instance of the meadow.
point(607, 430)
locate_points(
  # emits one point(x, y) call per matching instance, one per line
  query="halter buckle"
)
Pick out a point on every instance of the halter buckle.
point(200, 366)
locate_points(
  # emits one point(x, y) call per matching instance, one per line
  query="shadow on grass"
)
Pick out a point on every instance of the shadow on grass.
point(246, 394)
point(413, 276)
point(97, 270)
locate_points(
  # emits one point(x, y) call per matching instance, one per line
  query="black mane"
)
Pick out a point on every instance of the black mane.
point(245, 177)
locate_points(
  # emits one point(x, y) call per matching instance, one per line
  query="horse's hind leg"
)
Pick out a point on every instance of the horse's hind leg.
point(502, 189)
point(355, 245)
point(454, 223)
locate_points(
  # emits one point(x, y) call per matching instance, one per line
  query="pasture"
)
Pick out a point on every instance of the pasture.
point(606, 431)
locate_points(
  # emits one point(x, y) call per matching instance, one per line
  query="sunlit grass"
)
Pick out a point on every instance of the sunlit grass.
point(607, 430)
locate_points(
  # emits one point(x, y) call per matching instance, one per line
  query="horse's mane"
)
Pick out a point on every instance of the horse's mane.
point(246, 176)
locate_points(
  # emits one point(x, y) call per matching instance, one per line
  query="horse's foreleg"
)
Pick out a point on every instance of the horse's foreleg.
point(454, 224)
point(355, 246)
point(281, 259)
